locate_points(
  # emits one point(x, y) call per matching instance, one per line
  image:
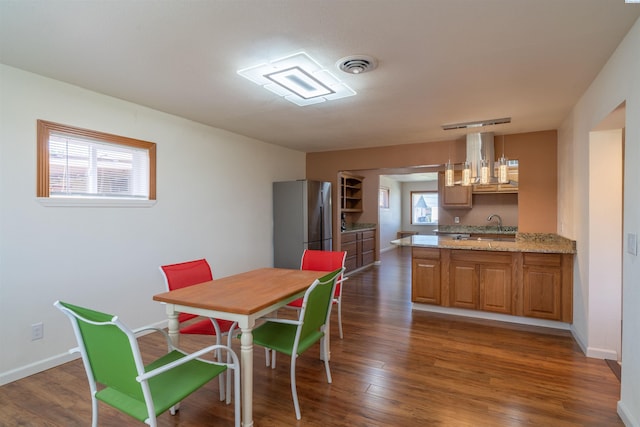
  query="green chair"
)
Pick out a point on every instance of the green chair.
point(118, 377)
point(294, 337)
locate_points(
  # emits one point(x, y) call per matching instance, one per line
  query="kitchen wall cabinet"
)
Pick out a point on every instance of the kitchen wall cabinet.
point(526, 284)
point(425, 274)
point(456, 197)
point(360, 247)
point(494, 188)
point(351, 193)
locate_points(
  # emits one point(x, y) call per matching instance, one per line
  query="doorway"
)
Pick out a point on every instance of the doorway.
point(606, 162)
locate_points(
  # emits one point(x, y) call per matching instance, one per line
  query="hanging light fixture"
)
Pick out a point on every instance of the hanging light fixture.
point(466, 174)
point(503, 167)
point(484, 171)
point(449, 174)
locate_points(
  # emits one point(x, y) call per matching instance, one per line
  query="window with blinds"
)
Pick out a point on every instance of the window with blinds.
point(80, 163)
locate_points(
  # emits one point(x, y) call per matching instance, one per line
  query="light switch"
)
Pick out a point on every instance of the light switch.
point(632, 243)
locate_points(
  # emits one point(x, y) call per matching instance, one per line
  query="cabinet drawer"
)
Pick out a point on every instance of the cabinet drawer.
point(368, 258)
point(481, 256)
point(426, 253)
point(350, 248)
point(370, 234)
point(348, 237)
point(553, 260)
point(368, 245)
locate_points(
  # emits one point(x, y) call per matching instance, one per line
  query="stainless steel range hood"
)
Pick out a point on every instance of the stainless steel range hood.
point(480, 146)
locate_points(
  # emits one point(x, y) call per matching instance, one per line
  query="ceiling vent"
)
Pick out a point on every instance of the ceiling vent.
point(357, 64)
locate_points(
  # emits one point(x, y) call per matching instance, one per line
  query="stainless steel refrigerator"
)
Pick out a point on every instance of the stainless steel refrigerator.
point(301, 220)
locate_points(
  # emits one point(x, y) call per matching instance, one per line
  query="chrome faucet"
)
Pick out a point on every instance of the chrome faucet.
point(499, 220)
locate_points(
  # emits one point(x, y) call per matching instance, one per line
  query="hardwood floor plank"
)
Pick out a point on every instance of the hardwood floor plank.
point(395, 367)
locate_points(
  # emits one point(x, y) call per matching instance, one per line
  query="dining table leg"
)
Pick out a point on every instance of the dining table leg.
point(173, 325)
point(246, 357)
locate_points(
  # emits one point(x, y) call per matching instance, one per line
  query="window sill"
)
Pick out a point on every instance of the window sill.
point(94, 203)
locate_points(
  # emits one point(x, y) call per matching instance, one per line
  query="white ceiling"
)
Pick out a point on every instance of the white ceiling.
point(440, 61)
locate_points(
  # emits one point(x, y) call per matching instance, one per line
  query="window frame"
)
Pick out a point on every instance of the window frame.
point(46, 128)
point(412, 222)
point(383, 197)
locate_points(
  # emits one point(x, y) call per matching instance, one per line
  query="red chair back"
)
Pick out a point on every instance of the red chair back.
point(324, 261)
point(186, 274)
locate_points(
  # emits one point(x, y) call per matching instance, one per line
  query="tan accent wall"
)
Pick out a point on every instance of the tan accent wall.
point(535, 151)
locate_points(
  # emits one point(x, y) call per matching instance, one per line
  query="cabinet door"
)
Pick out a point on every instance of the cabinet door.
point(541, 292)
point(495, 288)
point(426, 281)
point(368, 247)
point(463, 285)
point(349, 245)
point(456, 197)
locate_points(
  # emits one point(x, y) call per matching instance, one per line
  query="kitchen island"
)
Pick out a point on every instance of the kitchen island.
point(526, 276)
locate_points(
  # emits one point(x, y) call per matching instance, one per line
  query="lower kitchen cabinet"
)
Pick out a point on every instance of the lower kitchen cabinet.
point(536, 285)
point(544, 292)
point(425, 273)
point(360, 247)
point(481, 281)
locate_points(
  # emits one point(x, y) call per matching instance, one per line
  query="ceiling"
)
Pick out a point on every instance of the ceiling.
point(440, 61)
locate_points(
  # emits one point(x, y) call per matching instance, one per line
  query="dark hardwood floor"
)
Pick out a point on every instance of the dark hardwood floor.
point(394, 367)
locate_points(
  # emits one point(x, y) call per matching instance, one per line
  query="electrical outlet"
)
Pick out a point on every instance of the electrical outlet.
point(632, 243)
point(37, 331)
point(456, 219)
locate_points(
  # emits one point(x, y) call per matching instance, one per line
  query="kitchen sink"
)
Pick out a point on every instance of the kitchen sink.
point(496, 239)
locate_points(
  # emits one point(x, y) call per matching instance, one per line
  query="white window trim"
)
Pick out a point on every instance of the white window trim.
point(68, 202)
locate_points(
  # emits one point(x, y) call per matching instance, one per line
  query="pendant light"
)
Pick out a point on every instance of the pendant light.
point(448, 174)
point(503, 167)
point(484, 171)
point(466, 174)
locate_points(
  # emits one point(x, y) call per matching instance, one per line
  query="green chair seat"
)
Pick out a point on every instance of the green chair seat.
point(112, 360)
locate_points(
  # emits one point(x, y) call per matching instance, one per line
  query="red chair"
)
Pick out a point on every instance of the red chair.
point(190, 273)
point(324, 261)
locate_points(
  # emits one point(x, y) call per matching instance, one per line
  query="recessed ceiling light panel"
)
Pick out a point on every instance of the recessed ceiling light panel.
point(477, 124)
point(299, 79)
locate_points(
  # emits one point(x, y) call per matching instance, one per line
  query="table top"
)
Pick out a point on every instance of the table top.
point(244, 293)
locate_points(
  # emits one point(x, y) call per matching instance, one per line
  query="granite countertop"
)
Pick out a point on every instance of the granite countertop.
point(359, 226)
point(524, 242)
point(476, 229)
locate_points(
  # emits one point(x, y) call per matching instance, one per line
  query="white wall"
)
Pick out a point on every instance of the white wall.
point(390, 219)
point(617, 82)
point(213, 201)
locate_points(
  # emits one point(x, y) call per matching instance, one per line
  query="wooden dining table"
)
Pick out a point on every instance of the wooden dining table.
point(243, 298)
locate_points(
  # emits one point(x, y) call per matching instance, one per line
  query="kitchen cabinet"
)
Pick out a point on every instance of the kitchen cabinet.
point(425, 276)
point(350, 193)
point(480, 281)
point(546, 294)
point(538, 285)
point(360, 247)
point(456, 197)
point(494, 188)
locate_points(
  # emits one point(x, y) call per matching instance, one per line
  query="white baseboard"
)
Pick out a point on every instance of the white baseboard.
point(626, 416)
point(601, 353)
point(36, 367)
point(51, 362)
point(492, 316)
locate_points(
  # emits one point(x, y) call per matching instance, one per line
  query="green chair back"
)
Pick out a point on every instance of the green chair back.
point(316, 309)
point(109, 351)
